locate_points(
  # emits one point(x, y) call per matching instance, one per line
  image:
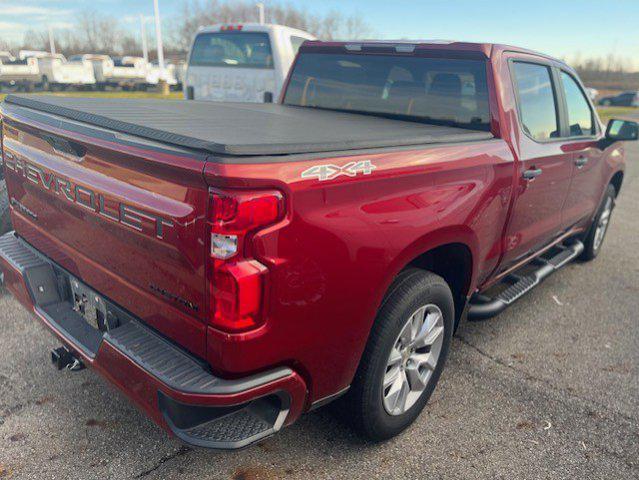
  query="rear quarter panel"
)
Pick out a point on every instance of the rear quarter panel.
point(344, 240)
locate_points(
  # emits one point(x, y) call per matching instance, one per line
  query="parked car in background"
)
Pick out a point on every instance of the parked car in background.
point(57, 72)
point(624, 99)
point(23, 74)
point(241, 63)
point(231, 266)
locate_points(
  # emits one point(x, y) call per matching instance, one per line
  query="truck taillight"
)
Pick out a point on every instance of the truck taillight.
point(236, 279)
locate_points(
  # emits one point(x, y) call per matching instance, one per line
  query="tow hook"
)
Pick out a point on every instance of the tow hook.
point(63, 358)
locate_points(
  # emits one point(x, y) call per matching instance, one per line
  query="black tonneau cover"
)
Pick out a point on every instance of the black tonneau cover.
point(245, 128)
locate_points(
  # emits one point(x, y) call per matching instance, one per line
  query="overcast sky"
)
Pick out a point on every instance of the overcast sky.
point(563, 28)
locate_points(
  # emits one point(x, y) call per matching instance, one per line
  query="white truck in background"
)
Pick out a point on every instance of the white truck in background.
point(102, 65)
point(241, 63)
point(120, 72)
point(129, 73)
point(23, 74)
point(55, 71)
point(153, 74)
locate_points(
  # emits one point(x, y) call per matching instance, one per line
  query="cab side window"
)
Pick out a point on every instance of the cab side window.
point(579, 112)
point(537, 103)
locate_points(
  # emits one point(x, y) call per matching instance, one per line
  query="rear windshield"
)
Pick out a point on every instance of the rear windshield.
point(232, 49)
point(430, 90)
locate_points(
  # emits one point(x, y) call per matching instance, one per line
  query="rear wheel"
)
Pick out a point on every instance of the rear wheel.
point(597, 233)
point(5, 221)
point(404, 357)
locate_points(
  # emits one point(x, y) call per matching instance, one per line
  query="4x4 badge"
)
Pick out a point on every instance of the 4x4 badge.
point(330, 171)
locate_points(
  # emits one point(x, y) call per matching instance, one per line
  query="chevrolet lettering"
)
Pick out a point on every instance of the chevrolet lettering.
point(127, 215)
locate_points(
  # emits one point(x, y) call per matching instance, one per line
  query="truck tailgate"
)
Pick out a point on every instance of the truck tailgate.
point(127, 219)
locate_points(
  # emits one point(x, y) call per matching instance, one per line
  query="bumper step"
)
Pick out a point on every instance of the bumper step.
point(174, 371)
point(482, 307)
point(232, 428)
point(226, 428)
point(174, 367)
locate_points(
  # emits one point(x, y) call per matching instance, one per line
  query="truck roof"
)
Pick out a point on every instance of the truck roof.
point(243, 129)
point(253, 27)
point(484, 49)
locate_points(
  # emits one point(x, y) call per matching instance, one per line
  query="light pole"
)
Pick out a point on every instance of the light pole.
point(145, 46)
point(158, 36)
point(260, 13)
point(51, 40)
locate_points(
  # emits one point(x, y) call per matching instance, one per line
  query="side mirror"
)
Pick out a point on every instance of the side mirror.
point(621, 130)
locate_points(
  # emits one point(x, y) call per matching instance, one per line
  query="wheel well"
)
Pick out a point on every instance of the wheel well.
point(453, 262)
point(616, 181)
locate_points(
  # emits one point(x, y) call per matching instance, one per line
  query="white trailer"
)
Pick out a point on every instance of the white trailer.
point(20, 73)
point(241, 63)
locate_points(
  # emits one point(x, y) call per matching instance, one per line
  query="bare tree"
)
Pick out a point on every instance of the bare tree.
point(98, 33)
point(35, 41)
point(611, 72)
point(197, 13)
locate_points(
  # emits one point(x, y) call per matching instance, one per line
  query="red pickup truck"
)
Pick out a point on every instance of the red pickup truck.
point(231, 266)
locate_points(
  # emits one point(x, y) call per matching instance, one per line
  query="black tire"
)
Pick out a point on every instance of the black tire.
point(45, 86)
point(591, 246)
point(363, 406)
point(5, 220)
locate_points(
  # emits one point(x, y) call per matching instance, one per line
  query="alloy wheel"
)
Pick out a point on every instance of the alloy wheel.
point(602, 224)
point(413, 359)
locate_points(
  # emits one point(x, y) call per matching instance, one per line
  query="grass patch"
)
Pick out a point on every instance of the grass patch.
point(170, 96)
point(606, 113)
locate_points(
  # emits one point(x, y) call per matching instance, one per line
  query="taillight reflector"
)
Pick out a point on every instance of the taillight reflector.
point(237, 294)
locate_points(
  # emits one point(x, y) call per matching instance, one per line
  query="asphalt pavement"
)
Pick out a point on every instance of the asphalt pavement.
point(548, 389)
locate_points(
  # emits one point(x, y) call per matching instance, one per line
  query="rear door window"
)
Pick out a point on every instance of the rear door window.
point(579, 113)
point(537, 101)
point(232, 49)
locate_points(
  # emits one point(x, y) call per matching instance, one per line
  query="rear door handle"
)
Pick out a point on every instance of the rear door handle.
point(581, 161)
point(532, 173)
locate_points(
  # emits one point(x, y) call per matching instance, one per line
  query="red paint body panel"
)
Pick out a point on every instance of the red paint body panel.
point(118, 260)
point(328, 271)
point(331, 258)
